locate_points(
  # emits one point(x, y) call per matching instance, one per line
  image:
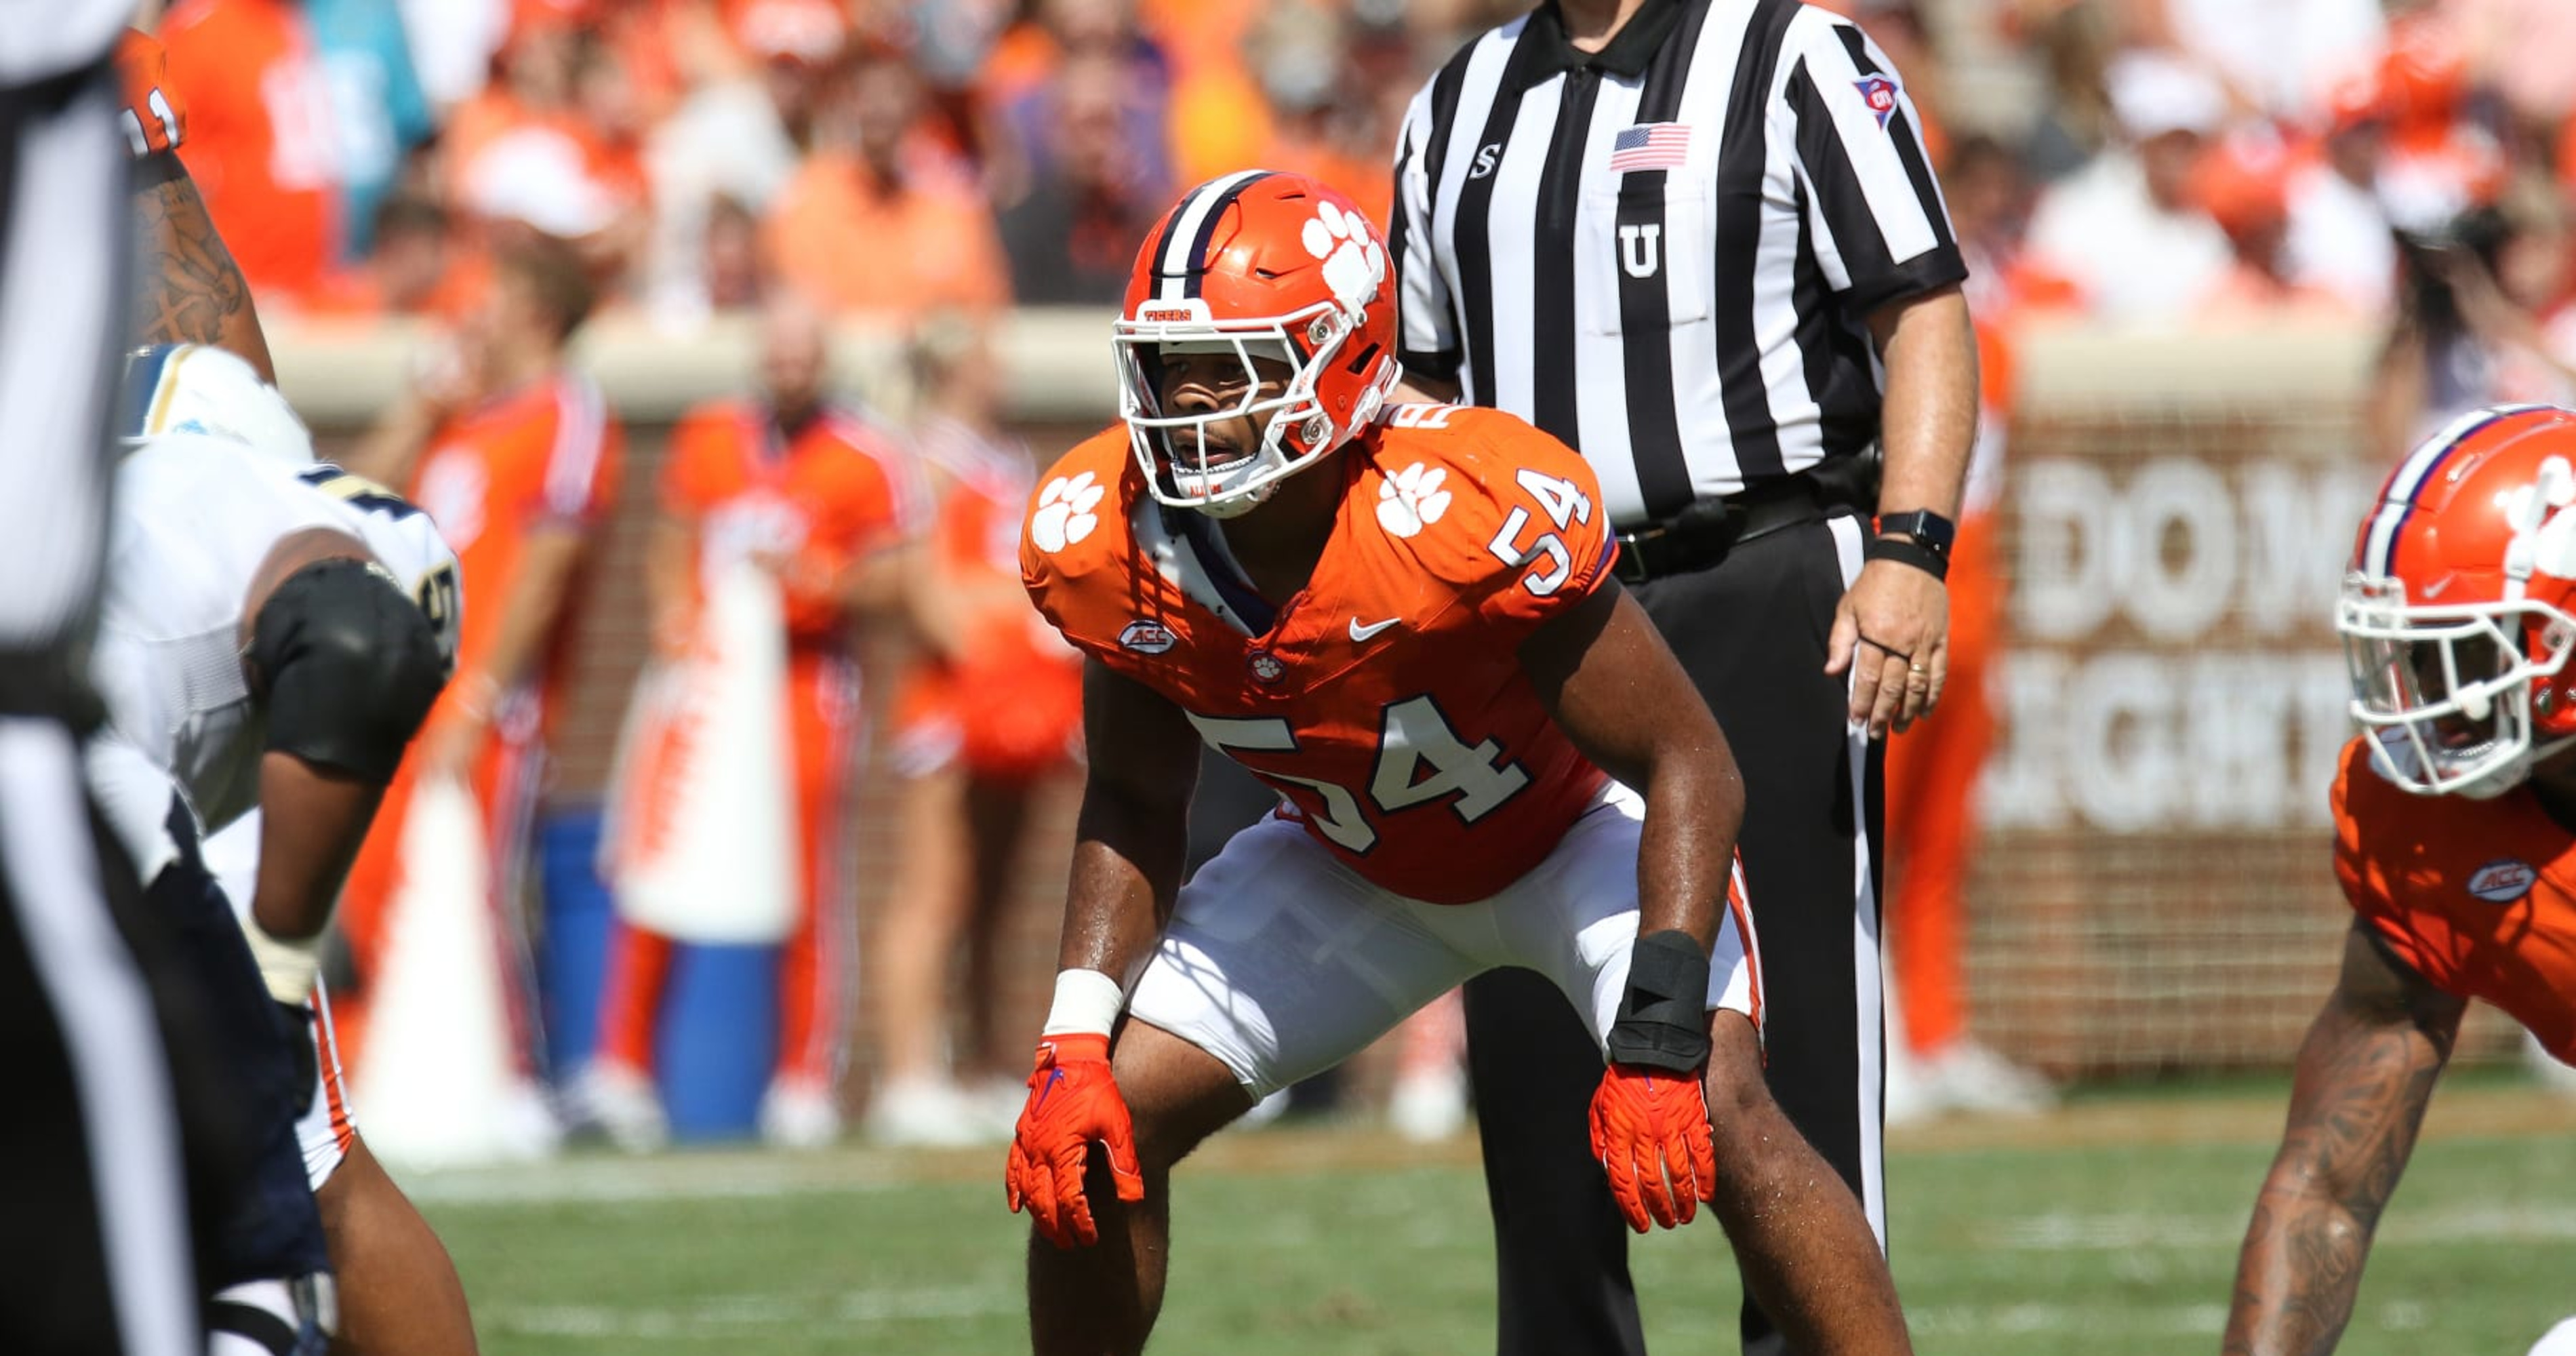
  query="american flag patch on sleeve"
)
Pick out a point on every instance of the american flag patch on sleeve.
point(1650, 146)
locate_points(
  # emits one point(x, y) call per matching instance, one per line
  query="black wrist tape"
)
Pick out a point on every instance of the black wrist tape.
point(1906, 552)
point(347, 667)
point(1663, 1018)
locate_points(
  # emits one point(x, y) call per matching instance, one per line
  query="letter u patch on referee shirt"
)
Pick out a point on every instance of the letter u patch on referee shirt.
point(1650, 146)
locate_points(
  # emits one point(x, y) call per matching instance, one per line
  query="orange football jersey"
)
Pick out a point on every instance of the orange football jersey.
point(836, 492)
point(1386, 701)
point(546, 453)
point(2478, 896)
point(1011, 699)
point(263, 144)
point(155, 117)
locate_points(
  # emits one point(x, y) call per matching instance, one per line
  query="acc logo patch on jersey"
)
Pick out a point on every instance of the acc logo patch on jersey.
point(1147, 637)
point(2502, 881)
point(1879, 93)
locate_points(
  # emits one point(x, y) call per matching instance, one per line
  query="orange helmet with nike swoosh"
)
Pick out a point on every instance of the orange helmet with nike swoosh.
point(1257, 264)
point(2459, 613)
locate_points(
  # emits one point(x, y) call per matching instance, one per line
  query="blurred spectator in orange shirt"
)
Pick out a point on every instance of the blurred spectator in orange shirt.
point(2243, 184)
point(1073, 235)
point(1323, 96)
point(733, 138)
point(549, 143)
point(878, 220)
point(2124, 229)
point(809, 489)
point(1028, 67)
point(2440, 160)
point(514, 455)
point(1220, 115)
point(1931, 774)
point(951, 42)
point(991, 709)
point(409, 272)
point(2276, 57)
point(2338, 232)
point(262, 144)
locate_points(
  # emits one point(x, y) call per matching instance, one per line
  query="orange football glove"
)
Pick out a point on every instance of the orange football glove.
point(1650, 1131)
point(1072, 1102)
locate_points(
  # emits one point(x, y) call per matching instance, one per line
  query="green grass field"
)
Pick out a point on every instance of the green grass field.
point(2109, 1229)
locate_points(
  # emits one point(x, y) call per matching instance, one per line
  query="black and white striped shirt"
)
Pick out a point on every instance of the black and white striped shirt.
point(1665, 253)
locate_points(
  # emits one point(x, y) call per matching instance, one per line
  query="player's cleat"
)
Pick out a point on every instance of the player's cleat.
point(1428, 1105)
point(933, 1113)
point(797, 1114)
point(529, 1126)
point(624, 1104)
point(1967, 1075)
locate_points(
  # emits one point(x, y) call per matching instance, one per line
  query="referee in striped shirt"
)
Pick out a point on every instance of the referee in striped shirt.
point(1700, 241)
point(95, 1245)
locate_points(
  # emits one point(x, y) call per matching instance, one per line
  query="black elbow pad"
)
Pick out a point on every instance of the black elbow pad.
point(348, 667)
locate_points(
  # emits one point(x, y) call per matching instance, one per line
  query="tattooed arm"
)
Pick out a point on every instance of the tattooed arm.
point(2365, 1076)
point(190, 290)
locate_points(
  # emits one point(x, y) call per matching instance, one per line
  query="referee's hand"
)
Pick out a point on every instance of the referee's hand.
point(1892, 635)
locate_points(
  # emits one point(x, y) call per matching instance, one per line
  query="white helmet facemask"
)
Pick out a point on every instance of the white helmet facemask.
point(1169, 446)
point(2444, 694)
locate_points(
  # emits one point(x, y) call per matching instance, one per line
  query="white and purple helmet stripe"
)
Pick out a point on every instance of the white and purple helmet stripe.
point(2397, 502)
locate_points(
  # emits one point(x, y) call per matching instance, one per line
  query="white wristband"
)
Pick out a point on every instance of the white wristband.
point(286, 966)
point(1087, 1002)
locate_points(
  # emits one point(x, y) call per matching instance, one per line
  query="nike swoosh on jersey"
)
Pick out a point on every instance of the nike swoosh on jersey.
point(1362, 633)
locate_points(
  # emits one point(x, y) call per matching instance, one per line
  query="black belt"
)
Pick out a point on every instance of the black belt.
point(1700, 536)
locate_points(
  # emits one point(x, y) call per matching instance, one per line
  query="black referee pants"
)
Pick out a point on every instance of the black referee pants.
point(1751, 632)
point(120, 1151)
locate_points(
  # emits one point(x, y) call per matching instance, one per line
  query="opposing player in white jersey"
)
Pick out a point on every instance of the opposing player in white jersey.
point(271, 635)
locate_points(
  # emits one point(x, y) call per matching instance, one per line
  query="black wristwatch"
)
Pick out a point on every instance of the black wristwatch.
point(1923, 525)
point(1916, 537)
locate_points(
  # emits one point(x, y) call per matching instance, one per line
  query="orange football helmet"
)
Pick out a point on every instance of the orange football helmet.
point(2459, 612)
point(1257, 264)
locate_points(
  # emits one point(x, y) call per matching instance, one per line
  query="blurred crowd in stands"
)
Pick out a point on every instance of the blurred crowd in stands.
point(2187, 162)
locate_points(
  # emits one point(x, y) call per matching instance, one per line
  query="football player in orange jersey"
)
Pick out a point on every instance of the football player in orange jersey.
point(1403, 619)
point(2455, 840)
point(515, 455)
point(819, 495)
point(987, 713)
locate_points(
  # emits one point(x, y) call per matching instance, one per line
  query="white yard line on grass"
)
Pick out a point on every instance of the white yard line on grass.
point(721, 1314)
point(2063, 1230)
point(672, 1178)
point(2021, 1320)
